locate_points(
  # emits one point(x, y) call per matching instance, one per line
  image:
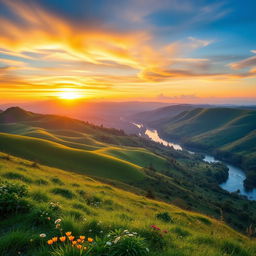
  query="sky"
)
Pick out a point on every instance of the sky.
point(194, 51)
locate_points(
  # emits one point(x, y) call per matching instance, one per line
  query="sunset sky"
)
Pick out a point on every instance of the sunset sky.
point(148, 50)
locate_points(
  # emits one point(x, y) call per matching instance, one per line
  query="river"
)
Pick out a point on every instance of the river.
point(236, 175)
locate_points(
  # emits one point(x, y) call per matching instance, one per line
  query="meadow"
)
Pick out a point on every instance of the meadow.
point(55, 202)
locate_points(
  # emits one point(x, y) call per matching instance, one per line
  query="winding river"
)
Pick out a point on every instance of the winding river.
point(236, 175)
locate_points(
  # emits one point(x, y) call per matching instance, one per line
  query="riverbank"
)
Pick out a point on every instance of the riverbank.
point(236, 177)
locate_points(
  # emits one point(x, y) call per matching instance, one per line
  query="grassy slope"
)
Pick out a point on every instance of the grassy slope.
point(189, 234)
point(222, 129)
point(71, 141)
point(57, 155)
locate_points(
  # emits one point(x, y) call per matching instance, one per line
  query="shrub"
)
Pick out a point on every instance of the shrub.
point(232, 248)
point(181, 232)
point(125, 243)
point(94, 201)
point(41, 182)
point(57, 181)
point(17, 176)
point(63, 192)
point(164, 216)
point(11, 198)
point(154, 238)
point(39, 196)
point(43, 215)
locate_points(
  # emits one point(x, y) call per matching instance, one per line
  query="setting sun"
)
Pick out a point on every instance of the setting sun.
point(69, 94)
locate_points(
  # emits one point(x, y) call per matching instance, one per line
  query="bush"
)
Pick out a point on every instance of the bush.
point(154, 238)
point(43, 215)
point(63, 192)
point(164, 216)
point(17, 176)
point(11, 198)
point(57, 181)
point(39, 196)
point(232, 248)
point(180, 232)
point(126, 243)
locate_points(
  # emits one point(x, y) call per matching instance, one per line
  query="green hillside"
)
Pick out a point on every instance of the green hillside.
point(227, 132)
point(87, 207)
point(57, 155)
point(127, 162)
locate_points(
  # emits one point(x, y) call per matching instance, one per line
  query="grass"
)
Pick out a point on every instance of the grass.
point(82, 161)
point(187, 234)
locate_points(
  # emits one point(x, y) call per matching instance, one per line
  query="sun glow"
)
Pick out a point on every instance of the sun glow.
point(69, 94)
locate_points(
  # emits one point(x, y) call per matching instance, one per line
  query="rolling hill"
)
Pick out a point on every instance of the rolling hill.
point(84, 206)
point(130, 162)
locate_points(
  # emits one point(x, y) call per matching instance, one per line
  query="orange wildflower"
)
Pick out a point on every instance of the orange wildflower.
point(79, 246)
point(74, 242)
point(79, 240)
point(82, 237)
point(68, 233)
point(49, 242)
point(71, 238)
point(62, 238)
point(55, 239)
point(90, 240)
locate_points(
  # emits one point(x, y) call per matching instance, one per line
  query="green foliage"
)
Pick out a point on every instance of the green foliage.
point(39, 196)
point(66, 193)
point(11, 198)
point(180, 232)
point(233, 249)
point(130, 246)
point(16, 176)
point(164, 216)
point(14, 242)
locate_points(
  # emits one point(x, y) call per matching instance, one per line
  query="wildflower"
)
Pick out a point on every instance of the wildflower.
point(57, 221)
point(62, 238)
point(82, 237)
point(68, 233)
point(49, 242)
point(79, 240)
point(79, 246)
point(117, 239)
point(90, 240)
point(55, 239)
point(71, 238)
point(74, 242)
point(85, 248)
point(42, 235)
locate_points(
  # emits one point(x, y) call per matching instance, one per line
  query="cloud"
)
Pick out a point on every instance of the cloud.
point(245, 63)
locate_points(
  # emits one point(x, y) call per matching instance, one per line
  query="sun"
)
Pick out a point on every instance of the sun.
point(69, 94)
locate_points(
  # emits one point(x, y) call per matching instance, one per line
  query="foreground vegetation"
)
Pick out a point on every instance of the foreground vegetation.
point(44, 211)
